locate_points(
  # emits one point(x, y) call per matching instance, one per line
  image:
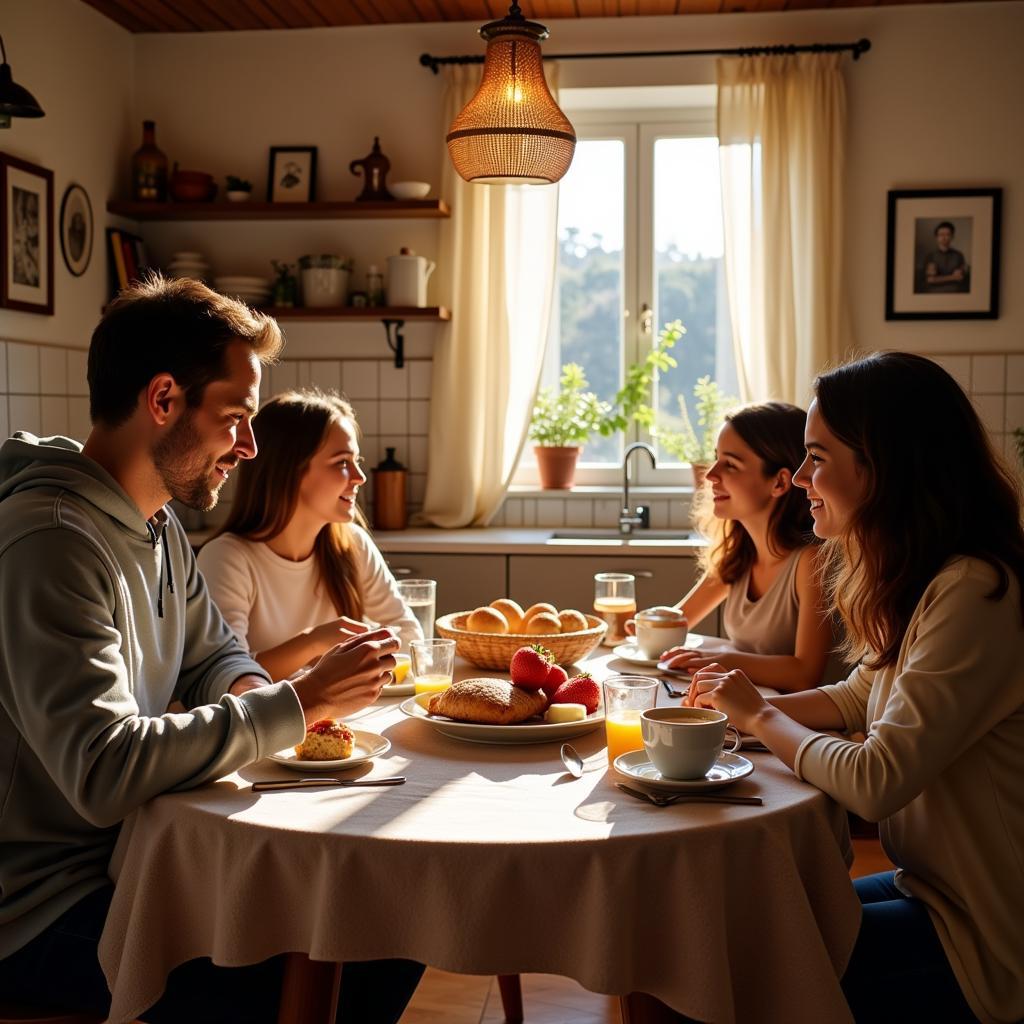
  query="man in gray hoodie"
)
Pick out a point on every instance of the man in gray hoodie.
point(105, 620)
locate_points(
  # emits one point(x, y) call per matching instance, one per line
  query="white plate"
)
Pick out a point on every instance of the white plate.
point(367, 745)
point(521, 732)
point(630, 652)
point(406, 687)
point(636, 765)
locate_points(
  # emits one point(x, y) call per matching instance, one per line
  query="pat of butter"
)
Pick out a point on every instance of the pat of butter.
point(565, 713)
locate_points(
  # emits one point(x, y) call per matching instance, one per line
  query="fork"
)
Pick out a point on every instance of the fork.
point(660, 800)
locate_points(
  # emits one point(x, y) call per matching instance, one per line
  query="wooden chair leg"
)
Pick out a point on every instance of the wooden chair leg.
point(641, 1008)
point(309, 992)
point(511, 997)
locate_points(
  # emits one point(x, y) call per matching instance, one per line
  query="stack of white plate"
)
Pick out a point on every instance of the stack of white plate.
point(253, 291)
point(188, 264)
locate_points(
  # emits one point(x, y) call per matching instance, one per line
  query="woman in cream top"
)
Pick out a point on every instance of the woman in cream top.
point(292, 570)
point(761, 559)
point(928, 579)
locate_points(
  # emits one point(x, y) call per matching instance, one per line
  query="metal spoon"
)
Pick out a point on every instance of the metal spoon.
point(572, 761)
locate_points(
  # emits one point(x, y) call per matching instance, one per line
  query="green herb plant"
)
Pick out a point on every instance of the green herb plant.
point(567, 416)
point(238, 184)
point(698, 445)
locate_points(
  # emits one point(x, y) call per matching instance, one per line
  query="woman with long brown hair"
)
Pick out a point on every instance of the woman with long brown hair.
point(293, 570)
point(922, 521)
point(761, 560)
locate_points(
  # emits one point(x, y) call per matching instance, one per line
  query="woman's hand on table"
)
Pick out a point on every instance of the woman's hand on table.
point(730, 692)
point(349, 676)
point(685, 659)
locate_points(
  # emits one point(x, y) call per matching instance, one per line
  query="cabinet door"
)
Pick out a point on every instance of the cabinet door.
point(463, 581)
point(567, 581)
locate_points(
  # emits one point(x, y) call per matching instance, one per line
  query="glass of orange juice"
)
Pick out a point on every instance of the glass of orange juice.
point(433, 662)
point(625, 699)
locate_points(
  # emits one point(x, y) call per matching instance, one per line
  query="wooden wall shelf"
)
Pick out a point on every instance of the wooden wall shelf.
point(435, 313)
point(398, 208)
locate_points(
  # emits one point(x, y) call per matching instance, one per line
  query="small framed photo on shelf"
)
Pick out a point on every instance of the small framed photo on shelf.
point(26, 236)
point(292, 175)
point(128, 260)
point(942, 254)
point(76, 229)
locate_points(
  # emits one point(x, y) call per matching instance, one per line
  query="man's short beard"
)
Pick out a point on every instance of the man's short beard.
point(184, 470)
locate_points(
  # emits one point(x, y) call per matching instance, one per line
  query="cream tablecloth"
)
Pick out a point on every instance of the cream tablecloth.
point(491, 860)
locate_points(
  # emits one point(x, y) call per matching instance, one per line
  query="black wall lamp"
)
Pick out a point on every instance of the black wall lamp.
point(15, 100)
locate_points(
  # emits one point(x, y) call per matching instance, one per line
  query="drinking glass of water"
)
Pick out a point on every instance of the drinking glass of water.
point(420, 596)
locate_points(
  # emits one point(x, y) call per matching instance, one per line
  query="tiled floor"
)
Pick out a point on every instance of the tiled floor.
point(444, 998)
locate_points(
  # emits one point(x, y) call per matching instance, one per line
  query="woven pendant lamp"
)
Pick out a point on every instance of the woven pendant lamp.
point(512, 132)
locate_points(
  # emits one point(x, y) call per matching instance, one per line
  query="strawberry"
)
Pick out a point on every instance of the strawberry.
point(530, 666)
point(580, 689)
point(556, 676)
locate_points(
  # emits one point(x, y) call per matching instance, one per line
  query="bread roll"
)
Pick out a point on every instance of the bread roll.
point(487, 620)
point(543, 624)
point(572, 621)
point(536, 609)
point(512, 611)
point(488, 701)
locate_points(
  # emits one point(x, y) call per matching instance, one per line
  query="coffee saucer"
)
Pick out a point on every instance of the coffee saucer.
point(727, 769)
point(630, 652)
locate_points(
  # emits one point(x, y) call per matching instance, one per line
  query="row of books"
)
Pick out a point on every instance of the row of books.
point(128, 259)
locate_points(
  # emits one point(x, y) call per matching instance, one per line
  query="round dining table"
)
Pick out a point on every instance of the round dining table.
point(492, 859)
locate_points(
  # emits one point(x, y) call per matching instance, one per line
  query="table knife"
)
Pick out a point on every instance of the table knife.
point(696, 798)
point(313, 783)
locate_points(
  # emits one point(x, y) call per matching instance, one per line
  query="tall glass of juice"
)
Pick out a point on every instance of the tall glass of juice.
point(625, 699)
point(615, 602)
point(433, 662)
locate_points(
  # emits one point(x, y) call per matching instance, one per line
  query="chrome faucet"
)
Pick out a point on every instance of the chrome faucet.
point(641, 515)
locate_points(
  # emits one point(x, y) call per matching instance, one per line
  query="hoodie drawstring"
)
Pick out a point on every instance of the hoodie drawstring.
point(164, 561)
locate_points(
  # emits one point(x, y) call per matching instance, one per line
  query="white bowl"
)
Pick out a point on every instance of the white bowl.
point(238, 195)
point(409, 189)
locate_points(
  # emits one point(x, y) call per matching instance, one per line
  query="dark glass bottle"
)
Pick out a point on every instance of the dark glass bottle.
point(149, 168)
point(389, 498)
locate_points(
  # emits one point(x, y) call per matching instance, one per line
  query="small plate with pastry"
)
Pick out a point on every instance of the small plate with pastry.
point(331, 745)
point(495, 711)
point(402, 686)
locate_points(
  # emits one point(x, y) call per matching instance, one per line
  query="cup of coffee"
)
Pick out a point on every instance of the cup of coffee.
point(684, 743)
point(658, 629)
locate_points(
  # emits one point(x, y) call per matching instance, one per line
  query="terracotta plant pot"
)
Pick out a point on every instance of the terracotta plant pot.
point(700, 472)
point(556, 466)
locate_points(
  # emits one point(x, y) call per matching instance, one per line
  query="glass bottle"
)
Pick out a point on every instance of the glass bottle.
point(149, 168)
point(374, 286)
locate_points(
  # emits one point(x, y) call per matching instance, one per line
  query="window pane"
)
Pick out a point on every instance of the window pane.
point(590, 276)
point(690, 271)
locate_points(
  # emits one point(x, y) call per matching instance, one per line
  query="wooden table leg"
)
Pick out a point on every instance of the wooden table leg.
point(511, 997)
point(309, 992)
point(641, 1008)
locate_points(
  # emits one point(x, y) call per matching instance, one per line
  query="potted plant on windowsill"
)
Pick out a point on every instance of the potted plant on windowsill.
point(697, 446)
point(562, 422)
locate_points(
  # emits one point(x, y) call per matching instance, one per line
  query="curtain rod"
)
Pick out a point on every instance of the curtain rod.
point(857, 48)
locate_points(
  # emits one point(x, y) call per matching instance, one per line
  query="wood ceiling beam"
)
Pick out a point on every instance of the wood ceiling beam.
point(117, 14)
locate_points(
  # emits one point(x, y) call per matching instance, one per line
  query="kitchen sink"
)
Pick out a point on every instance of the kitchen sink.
point(612, 536)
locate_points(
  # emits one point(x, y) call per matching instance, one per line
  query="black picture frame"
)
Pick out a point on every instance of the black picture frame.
point(26, 236)
point(77, 229)
point(288, 162)
point(942, 254)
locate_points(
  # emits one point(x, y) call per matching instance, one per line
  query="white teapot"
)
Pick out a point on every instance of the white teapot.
point(407, 278)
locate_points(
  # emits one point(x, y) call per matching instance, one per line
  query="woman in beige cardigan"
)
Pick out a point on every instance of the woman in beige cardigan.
point(923, 523)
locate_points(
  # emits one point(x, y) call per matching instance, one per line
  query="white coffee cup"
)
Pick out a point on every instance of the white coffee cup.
point(659, 628)
point(684, 743)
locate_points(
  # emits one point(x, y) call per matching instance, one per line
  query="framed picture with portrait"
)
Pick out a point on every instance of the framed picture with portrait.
point(26, 236)
point(76, 229)
point(942, 254)
point(292, 175)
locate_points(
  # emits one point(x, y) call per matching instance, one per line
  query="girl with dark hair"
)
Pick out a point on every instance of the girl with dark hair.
point(923, 525)
point(761, 560)
point(293, 570)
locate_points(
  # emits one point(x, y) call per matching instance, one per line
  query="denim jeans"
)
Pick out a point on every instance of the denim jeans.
point(899, 970)
point(59, 969)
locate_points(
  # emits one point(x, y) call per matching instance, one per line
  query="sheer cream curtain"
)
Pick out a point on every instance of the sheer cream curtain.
point(781, 129)
point(498, 253)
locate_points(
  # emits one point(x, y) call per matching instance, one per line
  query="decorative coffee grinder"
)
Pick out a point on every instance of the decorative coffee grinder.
point(374, 170)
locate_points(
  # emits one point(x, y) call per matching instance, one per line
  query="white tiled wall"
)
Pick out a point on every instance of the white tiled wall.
point(43, 389)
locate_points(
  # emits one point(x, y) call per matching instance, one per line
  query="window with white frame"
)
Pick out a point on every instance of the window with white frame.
point(639, 245)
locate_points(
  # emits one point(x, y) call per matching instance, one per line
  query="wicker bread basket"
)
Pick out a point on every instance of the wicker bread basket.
point(495, 650)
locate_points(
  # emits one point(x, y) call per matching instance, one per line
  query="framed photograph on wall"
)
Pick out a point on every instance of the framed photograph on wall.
point(292, 175)
point(76, 229)
point(26, 236)
point(942, 254)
